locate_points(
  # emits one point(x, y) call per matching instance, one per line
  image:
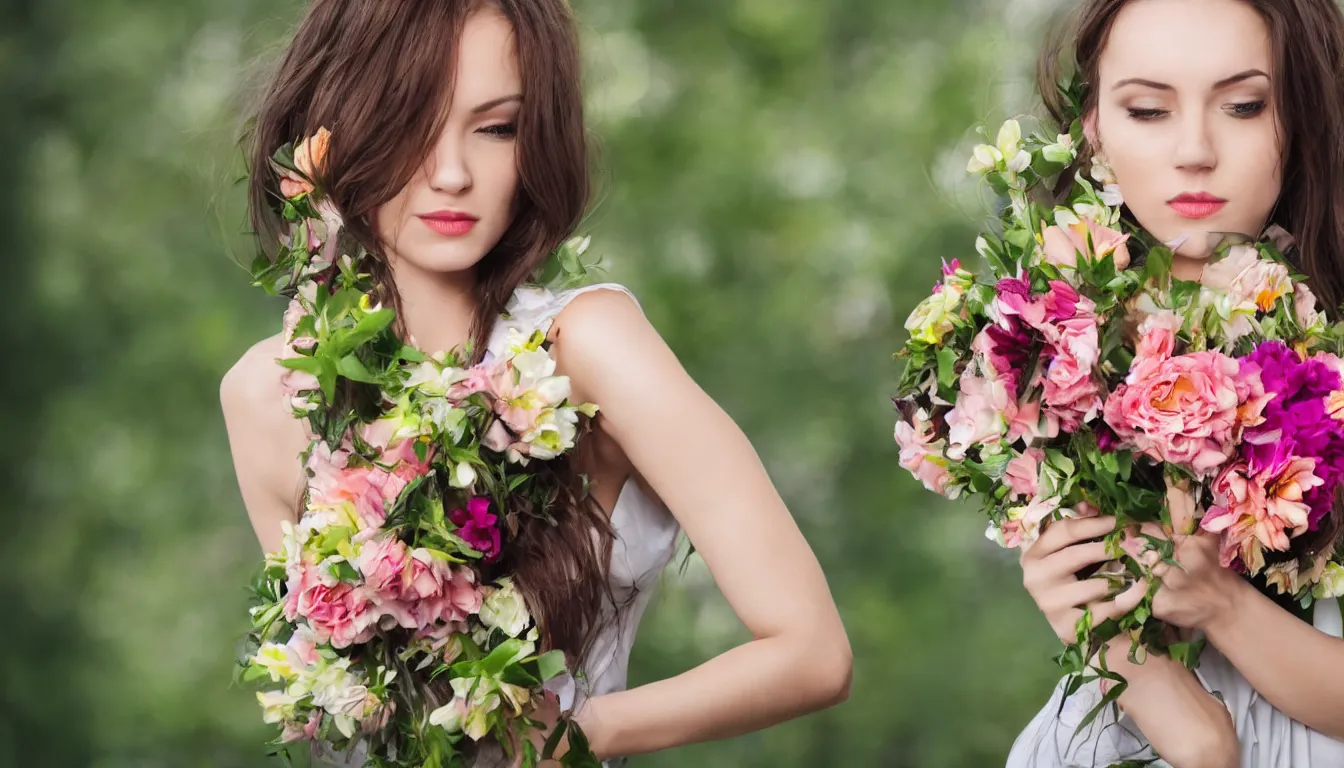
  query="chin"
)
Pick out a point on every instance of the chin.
point(443, 258)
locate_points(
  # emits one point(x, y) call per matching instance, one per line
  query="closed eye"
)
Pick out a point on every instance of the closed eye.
point(1136, 113)
point(1246, 109)
point(500, 130)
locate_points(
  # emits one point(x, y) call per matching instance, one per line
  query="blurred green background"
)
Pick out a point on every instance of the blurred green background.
point(781, 178)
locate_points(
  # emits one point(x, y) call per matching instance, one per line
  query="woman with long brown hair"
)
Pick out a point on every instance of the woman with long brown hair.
point(457, 157)
point(1215, 116)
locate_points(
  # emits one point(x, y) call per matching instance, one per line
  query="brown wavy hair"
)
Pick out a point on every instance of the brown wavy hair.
point(378, 74)
point(1307, 43)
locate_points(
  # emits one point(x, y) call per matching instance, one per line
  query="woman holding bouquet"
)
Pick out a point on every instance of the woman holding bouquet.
point(456, 156)
point(1213, 116)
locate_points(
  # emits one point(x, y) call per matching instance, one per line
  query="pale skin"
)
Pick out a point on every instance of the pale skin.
point(656, 426)
point(1185, 104)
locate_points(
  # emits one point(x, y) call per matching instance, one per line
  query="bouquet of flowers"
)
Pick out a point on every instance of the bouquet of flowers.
point(1081, 378)
point(382, 628)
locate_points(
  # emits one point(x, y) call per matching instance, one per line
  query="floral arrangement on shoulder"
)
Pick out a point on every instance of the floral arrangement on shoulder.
point(1081, 378)
point(384, 628)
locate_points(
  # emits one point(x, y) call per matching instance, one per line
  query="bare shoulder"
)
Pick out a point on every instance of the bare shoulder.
point(264, 436)
point(601, 332)
point(613, 356)
point(250, 391)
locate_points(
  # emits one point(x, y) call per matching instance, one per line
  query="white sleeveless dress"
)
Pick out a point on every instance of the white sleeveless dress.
point(1269, 738)
point(646, 540)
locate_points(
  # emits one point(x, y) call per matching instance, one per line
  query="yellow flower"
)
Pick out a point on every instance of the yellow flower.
point(933, 318)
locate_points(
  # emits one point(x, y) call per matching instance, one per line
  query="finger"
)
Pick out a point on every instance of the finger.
point(1079, 594)
point(1063, 533)
point(1076, 557)
point(1181, 507)
point(1123, 603)
point(1066, 626)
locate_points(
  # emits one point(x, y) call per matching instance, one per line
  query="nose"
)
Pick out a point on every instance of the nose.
point(1195, 148)
point(448, 170)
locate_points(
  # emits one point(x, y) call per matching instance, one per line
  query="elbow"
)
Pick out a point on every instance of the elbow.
point(1219, 749)
point(833, 671)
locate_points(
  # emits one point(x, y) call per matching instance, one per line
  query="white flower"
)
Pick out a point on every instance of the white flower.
point(277, 706)
point(504, 609)
point(984, 158)
point(449, 420)
point(533, 365)
point(280, 660)
point(462, 475)
point(448, 717)
point(553, 433)
point(1331, 583)
point(431, 379)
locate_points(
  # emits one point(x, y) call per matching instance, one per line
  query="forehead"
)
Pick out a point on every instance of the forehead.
point(487, 60)
point(1186, 43)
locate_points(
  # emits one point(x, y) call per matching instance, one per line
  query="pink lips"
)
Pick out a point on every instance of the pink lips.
point(1196, 205)
point(449, 223)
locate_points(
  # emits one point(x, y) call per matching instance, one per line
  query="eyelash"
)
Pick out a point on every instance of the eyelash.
point(1243, 110)
point(501, 131)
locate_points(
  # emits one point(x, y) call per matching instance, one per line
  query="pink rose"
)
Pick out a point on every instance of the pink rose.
point(432, 591)
point(1157, 335)
point(1063, 244)
point(1179, 409)
point(1072, 348)
point(1023, 472)
point(477, 380)
point(338, 614)
point(381, 562)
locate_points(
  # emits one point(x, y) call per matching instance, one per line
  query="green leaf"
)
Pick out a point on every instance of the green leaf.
point(508, 652)
point(1157, 267)
point(345, 572)
point(551, 664)
point(311, 365)
point(351, 368)
point(947, 361)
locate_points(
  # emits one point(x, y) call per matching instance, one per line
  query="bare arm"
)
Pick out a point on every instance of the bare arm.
point(265, 441)
point(1294, 666)
point(700, 463)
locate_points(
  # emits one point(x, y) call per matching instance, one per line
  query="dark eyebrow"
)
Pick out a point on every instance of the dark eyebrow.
point(491, 104)
point(1237, 78)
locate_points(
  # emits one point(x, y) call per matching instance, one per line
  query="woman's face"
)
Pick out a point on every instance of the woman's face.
point(460, 202)
point(1185, 118)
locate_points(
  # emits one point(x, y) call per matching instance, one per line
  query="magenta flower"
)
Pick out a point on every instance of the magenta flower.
point(479, 527)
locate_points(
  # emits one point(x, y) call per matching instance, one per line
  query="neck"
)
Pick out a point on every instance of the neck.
point(436, 307)
point(1187, 268)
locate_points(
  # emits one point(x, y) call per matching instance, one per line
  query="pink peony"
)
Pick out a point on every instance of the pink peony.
point(1063, 244)
point(1260, 510)
point(921, 453)
point(1182, 409)
point(1023, 472)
